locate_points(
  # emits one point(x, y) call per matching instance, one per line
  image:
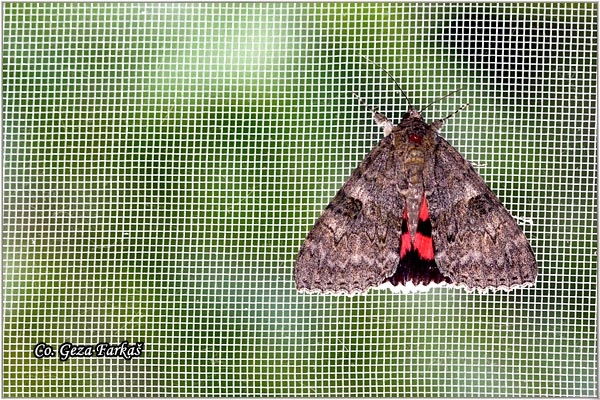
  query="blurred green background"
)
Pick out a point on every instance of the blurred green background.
point(163, 163)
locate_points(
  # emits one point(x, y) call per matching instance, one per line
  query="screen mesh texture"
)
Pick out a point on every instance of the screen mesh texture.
point(163, 163)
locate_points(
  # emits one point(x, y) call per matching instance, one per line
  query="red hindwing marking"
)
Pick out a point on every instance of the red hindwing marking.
point(405, 239)
point(423, 241)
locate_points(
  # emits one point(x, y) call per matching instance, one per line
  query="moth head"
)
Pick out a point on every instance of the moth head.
point(412, 113)
point(413, 122)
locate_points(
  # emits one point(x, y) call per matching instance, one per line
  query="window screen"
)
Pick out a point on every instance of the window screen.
point(163, 163)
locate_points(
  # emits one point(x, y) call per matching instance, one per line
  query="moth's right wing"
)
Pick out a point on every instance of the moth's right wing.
point(477, 243)
point(355, 244)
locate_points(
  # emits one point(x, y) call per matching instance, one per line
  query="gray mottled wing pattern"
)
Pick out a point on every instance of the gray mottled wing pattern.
point(355, 243)
point(477, 243)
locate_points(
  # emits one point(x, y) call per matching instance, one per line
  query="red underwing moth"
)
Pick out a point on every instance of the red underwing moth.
point(414, 215)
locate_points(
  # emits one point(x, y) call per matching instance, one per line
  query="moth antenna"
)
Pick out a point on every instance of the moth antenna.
point(442, 98)
point(391, 77)
point(364, 103)
point(455, 112)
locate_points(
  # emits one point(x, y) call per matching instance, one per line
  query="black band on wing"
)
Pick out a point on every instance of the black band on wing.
point(411, 268)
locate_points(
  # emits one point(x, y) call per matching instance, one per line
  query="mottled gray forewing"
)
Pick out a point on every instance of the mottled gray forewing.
point(476, 241)
point(354, 245)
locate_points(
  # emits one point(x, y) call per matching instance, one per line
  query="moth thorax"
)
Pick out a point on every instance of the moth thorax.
point(415, 156)
point(415, 162)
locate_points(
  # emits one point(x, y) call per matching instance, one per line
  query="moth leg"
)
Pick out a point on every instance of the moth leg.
point(381, 120)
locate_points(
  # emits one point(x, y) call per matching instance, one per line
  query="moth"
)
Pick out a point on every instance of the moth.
point(414, 215)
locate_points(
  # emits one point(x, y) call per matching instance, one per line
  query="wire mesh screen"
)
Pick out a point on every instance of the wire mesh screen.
point(163, 163)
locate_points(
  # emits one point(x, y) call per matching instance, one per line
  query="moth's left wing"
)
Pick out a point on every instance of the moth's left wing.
point(477, 243)
point(355, 244)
